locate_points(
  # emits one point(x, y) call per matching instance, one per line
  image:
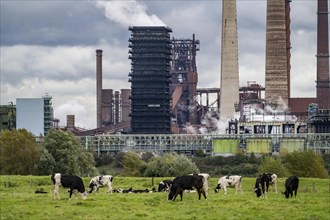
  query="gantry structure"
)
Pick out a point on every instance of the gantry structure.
point(210, 143)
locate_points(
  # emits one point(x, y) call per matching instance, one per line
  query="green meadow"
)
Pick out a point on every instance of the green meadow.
point(19, 201)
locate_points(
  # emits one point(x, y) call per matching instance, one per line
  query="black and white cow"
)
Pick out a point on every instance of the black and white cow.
point(262, 185)
point(186, 182)
point(165, 185)
point(100, 181)
point(68, 181)
point(206, 177)
point(230, 181)
point(273, 181)
point(291, 185)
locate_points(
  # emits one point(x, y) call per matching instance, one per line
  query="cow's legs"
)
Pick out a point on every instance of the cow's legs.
point(181, 194)
point(110, 188)
point(71, 189)
point(204, 194)
point(56, 191)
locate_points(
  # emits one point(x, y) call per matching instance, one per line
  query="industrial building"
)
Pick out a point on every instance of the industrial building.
point(150, 49)
point(35, 114)
point(7, 117)
point(164, 99)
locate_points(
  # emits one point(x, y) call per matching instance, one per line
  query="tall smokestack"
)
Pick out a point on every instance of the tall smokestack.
point(276, 85)
point(323, 81)
point(99, 88)
point(229, 96)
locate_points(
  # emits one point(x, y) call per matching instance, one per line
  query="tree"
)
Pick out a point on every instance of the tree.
point(170, 164)
point(305, 164)
point(87, 164)
point(132, 164)
point(273, 165)
point(46, 164)
point(19, 152)
point(69, 158)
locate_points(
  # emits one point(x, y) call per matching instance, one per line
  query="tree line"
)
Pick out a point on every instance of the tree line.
point(60, 151)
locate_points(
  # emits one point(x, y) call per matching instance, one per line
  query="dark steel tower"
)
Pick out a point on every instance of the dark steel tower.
point(323, 81)
point(150, 79)
point(98, 88)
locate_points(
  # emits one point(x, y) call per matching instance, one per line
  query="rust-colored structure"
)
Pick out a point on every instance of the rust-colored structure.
point(323, 81)
point(99, 88)
point(184, 80)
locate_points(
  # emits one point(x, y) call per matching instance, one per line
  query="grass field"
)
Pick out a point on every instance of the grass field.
point(20, 202)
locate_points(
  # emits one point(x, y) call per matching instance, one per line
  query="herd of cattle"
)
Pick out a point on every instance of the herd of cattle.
point(177, 186)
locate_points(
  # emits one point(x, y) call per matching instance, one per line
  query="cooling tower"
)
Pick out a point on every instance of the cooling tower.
point(323, 81)
point(229, 96)
point(276, 85)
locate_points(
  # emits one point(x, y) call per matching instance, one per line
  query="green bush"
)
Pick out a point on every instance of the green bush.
point(305, 164)
point(170, 164)
point(273, 165)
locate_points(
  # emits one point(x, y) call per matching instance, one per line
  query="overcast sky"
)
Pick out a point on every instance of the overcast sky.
point(49, 46)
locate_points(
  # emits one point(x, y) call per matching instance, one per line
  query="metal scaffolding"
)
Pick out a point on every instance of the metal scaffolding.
point(150, 79)
point(185, 143)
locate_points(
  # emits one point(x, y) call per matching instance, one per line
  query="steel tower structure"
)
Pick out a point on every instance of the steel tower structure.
point(150, 78)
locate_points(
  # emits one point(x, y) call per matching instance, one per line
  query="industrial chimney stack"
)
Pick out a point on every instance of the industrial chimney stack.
point(323, 81)
point(99, 88)
point(277, 75)
point(229, 95)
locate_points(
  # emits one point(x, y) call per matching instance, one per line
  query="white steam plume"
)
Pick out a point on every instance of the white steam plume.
point(129, 13)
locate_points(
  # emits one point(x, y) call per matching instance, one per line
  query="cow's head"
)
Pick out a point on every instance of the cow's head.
point(218, 188)
point(91, 187)
point(84, 195)
point(286, 193)
point(161, 186)
point(257, 191)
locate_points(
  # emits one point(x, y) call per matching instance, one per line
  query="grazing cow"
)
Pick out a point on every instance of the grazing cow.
point(291, 185)
point(186, 182)
point(206, 177)
point(68, 181)
point(262, 185)
point(165, 185)
point(229, 181)
point(273, 181)
point(100, 181)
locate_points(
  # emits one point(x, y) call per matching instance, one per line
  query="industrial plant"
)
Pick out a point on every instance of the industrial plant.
point(165, 110)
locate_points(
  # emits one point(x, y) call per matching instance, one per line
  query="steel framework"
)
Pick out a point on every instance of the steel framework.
point(190, 143)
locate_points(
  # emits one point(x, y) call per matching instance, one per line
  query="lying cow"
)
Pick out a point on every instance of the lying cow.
point(262, 185)
point(100, 181)
point(229, 181)
point(186, 182)
point(165, 185)
point(68, 181)
point(291, 185)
